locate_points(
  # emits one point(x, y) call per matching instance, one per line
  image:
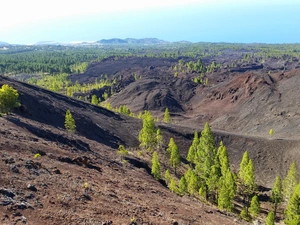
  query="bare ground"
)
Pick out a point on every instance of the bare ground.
point(241, 106)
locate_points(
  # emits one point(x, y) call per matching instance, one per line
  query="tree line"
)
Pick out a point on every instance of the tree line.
point(210, 178)
point(69, 59)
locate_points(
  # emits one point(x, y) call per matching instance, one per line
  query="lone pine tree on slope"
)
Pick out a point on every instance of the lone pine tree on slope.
point(8, 98)
point(69, 122)
point(167, 118)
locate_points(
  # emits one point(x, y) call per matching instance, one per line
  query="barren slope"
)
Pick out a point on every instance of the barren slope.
point(103, 126)
point(247, 99)
point(50, 189)
point(249, 104)
point(252, 104)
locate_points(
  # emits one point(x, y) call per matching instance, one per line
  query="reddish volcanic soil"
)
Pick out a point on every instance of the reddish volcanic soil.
point(80, 179)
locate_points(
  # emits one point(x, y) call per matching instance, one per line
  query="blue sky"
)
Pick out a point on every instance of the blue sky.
point(192, 20)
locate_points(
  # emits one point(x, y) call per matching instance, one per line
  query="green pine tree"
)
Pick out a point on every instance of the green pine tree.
point(244, 215)
point(155, 169)
point(212, 181)
point(188, 174)
point(247, 184)
point(290, 182)
point(69, 122)
point(292, 212)
point(140, 115)
point(254, 208)
point(206, 153)
point(175, 157)
point(249, 177)
point(193, 183)
point(182, 186)
point(159, 139)
point(8, 98)
point(202, 193)
point(95, 100)
point(167, 176)
point(105, 96)
point(171, 146)
point(223, 158)
point(193, 148)
point(277, 195)
point(243, 164)
point(167, 118)
point(207, 163)
point(147, 135)
point(227, 191)
point(270, 220)
point(173, 185)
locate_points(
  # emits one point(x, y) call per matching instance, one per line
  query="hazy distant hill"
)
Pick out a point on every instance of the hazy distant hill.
point(3, 43)
point(47, 43)
point(142, 41)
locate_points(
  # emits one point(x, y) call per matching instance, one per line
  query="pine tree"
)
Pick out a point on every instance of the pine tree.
point(182, 185)
point(206, 160)
point(155, 169)
point(175, 157)
point(140, 115)
point(249, 177)
point(206, 153)
point(243, 165)
point(124, 110)
point(167, 118)
point(292, 212)
point(70, 92)
point(254, 208)
point(212, 181)
point(227, 191)
point(188, 174)
point(290, 182)
point(173, 185)
point(95, 100)
point(202, 193)
point(69, 122)
point(270, 218)
point(193, 148)
point(167, 176)
point(171, 145)
point(223, 159)
point(277, 196)
point(105, 96)
point(8, 98)
point(193, 183)
point(244, 215)
point(147, 135)
point(159, 139)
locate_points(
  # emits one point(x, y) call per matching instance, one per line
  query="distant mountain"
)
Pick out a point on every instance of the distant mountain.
point(183, 42)
point(142, 41)
point(3, 43)
point(47, 43)
point(77, 43)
